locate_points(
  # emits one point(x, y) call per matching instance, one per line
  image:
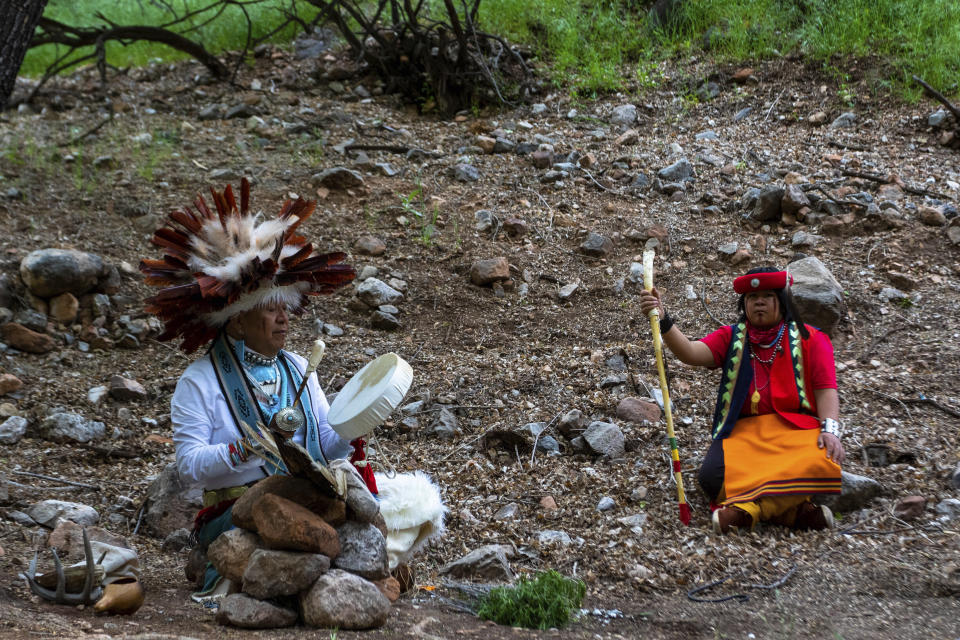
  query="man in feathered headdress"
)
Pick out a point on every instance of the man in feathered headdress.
point(232, 279)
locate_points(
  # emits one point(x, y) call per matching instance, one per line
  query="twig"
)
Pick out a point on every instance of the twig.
point(890, 397)
point(703, 301)
point(884, 180)
point(925, 400)
point(767, 116)
point(392, 148)
point(865, 356)
point(48, 489)
point(86, 133)
point(852, 203)
point(847, 145)
point(43, 477)
point(143, 508)
point(742, 597)
point(590, 175)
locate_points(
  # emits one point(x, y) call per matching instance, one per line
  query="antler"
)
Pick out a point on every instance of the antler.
point(88, 596)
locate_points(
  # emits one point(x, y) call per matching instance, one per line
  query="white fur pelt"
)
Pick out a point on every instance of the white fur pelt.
point(413, 509)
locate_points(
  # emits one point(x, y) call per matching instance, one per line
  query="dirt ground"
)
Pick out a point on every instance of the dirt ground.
point(502, 362)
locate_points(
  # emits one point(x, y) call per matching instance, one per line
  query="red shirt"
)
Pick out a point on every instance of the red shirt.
point(822, 374)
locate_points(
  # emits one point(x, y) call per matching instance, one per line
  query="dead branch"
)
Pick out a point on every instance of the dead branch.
point(55, 479)
point(88, 132)
point(885, 180)
point(865, 356)
point(931, 401)
point(939, 96)
point(54, 32)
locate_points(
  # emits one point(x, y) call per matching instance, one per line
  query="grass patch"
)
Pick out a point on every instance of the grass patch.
point(547, 601)
point(228, 31)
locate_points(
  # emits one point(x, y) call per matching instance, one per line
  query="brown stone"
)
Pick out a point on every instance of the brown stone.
point(548, 503)
point(283, 524)
point(910, 508)
point(515, 227)
point(588, 161)
point(19, 337)
point(741, 256)
point(486, 143)
point(64, 308)
point(628, 137)
point(484, 272)
point(817, 118)
point(369, 246)
point(230, 553)
point(742, 75)
point(931, 216)
point(638, 410)
point(389, 587)
point(124, 389)
point(9, 383)
point(67, 538)
point(832, 226)
point(298, 490)
point(541, 159)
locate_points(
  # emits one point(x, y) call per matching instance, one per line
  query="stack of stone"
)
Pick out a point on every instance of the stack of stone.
point(298, 555)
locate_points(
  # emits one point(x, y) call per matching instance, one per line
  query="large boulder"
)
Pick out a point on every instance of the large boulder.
point(363, 551)
point(170, 504)
point(270, 574)
point(24, 339)
point(855, 493)
point(298, 490)
point(286, 525)
point(231, 551)
point(818, 295)
point(341, 600)
point(50, 272)
point(49, 513)
point(65, 426)
point(490, 563)
point(239, 610)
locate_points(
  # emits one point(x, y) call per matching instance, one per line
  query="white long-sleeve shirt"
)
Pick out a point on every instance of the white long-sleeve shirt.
point(203, 429)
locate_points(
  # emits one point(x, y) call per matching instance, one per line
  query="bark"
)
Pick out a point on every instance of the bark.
point(18, 20)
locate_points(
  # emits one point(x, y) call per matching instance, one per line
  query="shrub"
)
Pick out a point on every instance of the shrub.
point(546, 601)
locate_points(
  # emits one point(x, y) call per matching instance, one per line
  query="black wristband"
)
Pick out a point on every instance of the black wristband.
point(666, 323)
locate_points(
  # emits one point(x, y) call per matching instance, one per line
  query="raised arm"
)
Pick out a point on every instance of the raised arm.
point(692, 352)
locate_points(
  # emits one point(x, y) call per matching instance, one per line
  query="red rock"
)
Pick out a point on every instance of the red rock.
point(64, 308)
point(298, 490)
point(9, 383)
point(638, 410)
point(548, 503)
point(126, 389)
point(484, 272)
point(389, 587)
point(283, 524)
point(742, 76)
point(541, 159)
point(515, 227)
point(486, 143)
point(910, 508)
point(370, 246)
point(630, 136)
point(19, 337)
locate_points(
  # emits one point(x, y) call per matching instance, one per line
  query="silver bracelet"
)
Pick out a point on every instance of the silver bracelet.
point(831, 426)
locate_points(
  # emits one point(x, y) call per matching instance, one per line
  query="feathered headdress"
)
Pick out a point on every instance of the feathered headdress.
point(216, 265)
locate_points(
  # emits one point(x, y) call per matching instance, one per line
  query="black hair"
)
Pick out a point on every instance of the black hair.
point(787, 308)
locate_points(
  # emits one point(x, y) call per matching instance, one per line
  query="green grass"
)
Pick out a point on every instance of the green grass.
point(593, 46)
point(599, 46)
point(227, 32)
point(547, 601)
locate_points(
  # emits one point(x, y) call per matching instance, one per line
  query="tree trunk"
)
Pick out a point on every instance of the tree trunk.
point(18, 21)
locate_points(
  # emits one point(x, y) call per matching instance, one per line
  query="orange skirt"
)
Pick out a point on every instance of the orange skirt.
point(766, 456)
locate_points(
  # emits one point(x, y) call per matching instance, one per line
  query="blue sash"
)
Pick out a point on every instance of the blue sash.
point(249, 415)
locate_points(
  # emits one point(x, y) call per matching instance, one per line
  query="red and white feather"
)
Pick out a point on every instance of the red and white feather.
point(219, 263)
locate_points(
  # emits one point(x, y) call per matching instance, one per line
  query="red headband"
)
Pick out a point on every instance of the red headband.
point(762, 281)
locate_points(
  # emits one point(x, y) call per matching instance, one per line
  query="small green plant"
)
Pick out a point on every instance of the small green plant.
point(413, 201)
point(547, 601)
point(428, 229)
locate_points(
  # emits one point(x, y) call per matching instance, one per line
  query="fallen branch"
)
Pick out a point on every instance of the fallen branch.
point(55, 479)
point(931, 401)
point(86, 133)
point(392, 148)
point(939, 96)
point(885, 180)
point(703, 301)
point(848, 146)
point(865, 356)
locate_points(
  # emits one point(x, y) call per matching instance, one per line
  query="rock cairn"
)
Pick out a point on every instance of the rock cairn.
point(298, 555)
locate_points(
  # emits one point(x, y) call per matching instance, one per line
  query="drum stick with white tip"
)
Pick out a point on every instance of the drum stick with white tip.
point(316, 355)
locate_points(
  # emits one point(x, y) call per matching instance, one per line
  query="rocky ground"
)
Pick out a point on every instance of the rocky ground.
point(553, 328)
